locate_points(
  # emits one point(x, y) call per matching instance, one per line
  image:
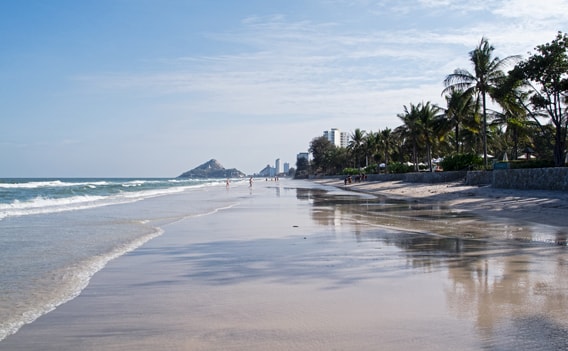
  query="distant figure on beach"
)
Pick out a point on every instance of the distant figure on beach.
point(228, 182)
point(250, 182)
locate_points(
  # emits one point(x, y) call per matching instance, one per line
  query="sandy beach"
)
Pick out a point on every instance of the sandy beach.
point(301, 265)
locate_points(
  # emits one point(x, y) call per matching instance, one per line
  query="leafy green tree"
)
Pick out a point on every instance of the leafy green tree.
point(546, 76)
point(487, 71)
point(302, 168)
point(339, 159)
point(321, 150)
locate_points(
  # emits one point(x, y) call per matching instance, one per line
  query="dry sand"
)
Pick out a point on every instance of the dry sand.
point(538, 206)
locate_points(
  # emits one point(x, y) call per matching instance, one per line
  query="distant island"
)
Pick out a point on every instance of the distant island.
point(212, 169)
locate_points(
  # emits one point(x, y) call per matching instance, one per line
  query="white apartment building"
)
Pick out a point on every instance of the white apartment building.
point(337, 137)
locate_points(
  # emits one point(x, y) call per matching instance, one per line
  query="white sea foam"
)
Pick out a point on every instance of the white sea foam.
point(54, 276)
point(43, 205)
point(69, 282)
point(49, 184)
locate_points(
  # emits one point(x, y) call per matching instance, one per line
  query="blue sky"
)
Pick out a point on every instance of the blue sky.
point(152, 88)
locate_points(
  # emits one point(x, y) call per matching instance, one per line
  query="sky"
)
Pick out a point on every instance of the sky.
point(153, 88)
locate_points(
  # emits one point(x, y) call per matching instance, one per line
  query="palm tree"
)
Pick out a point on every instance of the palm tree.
point(370, 145)
point(373, 146)
point(513, 117)
point(410, 130)
point(386, 143)
point(356, 144)
point(427, 127)
point(487, 71)
point(459, 114)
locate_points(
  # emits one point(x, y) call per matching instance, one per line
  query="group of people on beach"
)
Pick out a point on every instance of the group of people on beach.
point(358, 178)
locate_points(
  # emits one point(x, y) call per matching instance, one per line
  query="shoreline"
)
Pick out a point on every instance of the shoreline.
point(539, 206)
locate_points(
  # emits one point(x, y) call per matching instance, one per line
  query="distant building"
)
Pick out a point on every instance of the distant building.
point(267, 171)
point(337, 137)
point(303, 155)
point(287, 167)
point(277, 166)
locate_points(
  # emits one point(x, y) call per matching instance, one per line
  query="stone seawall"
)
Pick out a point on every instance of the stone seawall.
point(479, 178)
point(415, 177)
point(533, 178)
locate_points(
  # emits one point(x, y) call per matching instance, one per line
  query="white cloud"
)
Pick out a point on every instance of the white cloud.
point(533, 10)
point(308, 69)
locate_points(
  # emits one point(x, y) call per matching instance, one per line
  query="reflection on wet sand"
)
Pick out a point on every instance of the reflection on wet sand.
point(508, 277)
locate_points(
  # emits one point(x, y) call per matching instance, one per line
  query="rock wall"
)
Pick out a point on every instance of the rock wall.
point(479, 178)
point(419, 177)
point(533, 178)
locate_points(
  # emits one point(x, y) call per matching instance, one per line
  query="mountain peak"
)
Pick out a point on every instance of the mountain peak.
point(212, 169)
point(211, 164)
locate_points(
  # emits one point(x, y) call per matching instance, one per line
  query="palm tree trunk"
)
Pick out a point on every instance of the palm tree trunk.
point(429, 157)
point(415, 158)
point(484, 131)
point(457, 138)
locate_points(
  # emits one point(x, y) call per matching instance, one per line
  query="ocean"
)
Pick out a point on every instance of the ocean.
point(55, 234)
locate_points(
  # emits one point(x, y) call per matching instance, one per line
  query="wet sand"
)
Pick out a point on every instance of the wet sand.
point(294, 267)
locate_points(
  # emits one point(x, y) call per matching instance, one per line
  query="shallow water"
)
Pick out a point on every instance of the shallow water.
point(55, 234)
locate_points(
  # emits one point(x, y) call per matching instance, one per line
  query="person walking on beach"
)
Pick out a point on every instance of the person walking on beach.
point(250, 182)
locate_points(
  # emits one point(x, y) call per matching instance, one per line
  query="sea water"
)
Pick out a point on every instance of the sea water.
point(56, 233)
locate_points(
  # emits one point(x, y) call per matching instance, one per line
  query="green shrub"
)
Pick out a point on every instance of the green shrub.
point(371, 169)
point(397, 167)
point(461, 162)
point(351, 171)
point(531, 164)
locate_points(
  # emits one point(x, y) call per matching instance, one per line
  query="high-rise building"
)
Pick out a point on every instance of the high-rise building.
point(277, 166)
point(337, 137)
point(286, 167)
